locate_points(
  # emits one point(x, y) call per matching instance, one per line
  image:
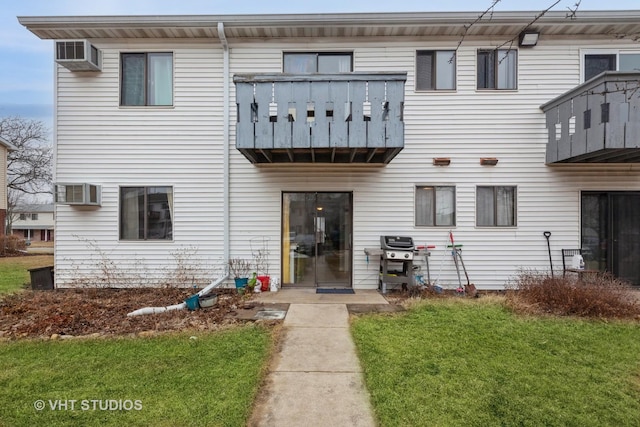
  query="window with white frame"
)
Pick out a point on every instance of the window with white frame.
point(497, 69)
point(496, 206)
point(146, 79)
point(34, 216)
point(435, 205)
point(23, 217)
point(317, 62)
point(435, 70)
point(596, 62)
point(146, 213)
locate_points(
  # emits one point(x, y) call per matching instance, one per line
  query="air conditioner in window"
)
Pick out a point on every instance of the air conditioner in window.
point(78, 55)
point(78, 194)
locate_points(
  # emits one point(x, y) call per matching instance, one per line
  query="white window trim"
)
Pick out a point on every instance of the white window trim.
point(415, 205)
point(517, 71)
point(604, 51)
point(494, 227)
point(415, 71)
point(173, 80)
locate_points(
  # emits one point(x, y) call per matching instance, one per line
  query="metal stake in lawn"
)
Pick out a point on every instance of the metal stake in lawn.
point(547, 234)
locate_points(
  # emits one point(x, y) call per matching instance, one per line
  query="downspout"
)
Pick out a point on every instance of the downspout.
point(226, 115)
point(225, 183)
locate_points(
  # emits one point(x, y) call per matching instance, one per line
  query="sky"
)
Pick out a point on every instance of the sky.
point(26, 68)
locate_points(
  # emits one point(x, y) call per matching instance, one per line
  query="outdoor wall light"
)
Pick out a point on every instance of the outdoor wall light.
point(528, 38)
point(488, 161)
point(441, 161)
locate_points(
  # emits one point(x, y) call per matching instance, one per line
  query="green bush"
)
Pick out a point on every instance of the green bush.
point(588, 295)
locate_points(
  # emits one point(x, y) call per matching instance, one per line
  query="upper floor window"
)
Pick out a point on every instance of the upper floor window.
point(599, 62)
point(435, 70)
point(34, 216)
point(495, 206)
point(23, 217)
point(435, 205)
point(497, 69)
point(146, 213)
point(146, 79)
point(318, 62)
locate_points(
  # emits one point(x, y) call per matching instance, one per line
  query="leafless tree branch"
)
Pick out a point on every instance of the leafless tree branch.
point(29, 167)
point(572, 12)
point(488, 11)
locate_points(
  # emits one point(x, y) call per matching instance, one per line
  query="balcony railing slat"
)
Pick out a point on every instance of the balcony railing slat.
point(377, 129)
point(357, 125)
point(564, 114)
point(579, 139)
point(263, 126)
point(395, 126)
point(300, 131)
point(339, 126)
point(618, 115)
point(245, 127)
point(320, 124)
point(595, 135)
point(282, 126)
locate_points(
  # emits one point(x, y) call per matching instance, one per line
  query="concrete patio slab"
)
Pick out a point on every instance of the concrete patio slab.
point(315, 399)
point(317, 315)
point(309, 296)
point(317, 350)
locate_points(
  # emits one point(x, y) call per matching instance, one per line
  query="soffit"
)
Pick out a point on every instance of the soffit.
point(384, 25)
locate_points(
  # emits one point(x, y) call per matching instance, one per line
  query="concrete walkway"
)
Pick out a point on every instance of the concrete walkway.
point(316, 378)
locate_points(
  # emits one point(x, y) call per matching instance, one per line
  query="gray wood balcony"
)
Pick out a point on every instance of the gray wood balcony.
point(320, 118)
point(596, 122)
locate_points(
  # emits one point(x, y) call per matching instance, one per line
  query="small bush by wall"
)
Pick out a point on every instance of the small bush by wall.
point(10, 245)
point(592, 295)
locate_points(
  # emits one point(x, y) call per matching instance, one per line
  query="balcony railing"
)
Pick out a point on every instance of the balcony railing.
point(596, 122)
point(320, 118)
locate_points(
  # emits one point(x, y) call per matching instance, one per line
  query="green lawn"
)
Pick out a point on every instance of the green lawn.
point(171, 380)
point(14, 272)
point(473, 363)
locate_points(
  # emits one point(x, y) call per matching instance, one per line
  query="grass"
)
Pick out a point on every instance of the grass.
point(474, 363)
point(171, 380)
point(14, 272)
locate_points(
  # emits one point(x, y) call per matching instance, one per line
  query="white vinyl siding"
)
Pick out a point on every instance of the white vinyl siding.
point(3, 178)
point(99, 142)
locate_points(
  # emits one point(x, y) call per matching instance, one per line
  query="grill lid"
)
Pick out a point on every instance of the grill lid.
point(401, 243)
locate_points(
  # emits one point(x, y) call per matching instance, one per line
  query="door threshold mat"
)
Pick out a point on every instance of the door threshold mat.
point(334, 291)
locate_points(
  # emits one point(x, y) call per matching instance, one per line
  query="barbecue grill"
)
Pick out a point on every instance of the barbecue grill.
point(396, 261)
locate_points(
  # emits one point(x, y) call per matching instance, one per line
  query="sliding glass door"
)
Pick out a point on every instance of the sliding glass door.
point(316, 239)
point(611, 233)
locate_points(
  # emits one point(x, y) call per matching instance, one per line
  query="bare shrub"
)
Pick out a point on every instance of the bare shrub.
point(592, 295)
point(11, 244)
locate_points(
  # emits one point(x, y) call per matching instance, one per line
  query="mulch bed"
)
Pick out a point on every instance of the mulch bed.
point(103, 311)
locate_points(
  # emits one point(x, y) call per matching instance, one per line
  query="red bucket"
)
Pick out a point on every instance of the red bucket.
point(264, 283)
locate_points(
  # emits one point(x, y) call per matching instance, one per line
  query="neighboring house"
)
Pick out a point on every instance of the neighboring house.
point(34, 222)
point(5, 147)
point(321, 133)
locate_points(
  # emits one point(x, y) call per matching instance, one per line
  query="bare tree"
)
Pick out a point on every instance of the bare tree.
point(15, 199)
point(29, 167)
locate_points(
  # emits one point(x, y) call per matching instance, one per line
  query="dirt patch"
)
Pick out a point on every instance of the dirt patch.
point(76, 312)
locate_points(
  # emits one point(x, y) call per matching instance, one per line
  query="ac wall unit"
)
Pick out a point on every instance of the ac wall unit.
point(78, 194)
point(78, 55)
